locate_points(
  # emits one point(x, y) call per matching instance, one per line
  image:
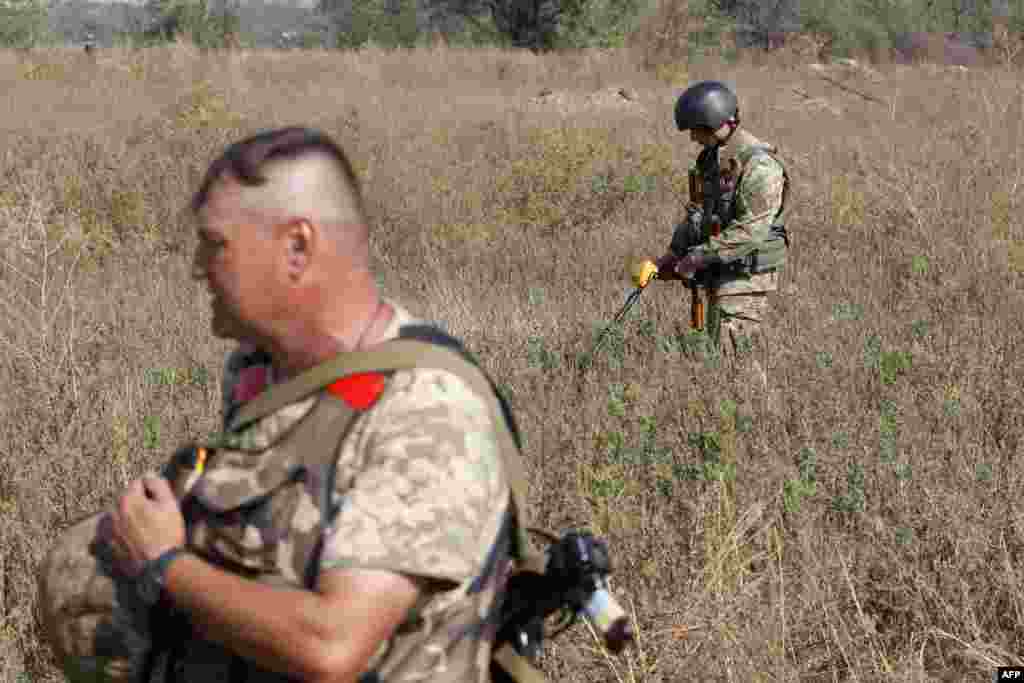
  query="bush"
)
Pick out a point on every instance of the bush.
point(192, 19)
point(22, 23)
point(600, 23)
point(378, 22)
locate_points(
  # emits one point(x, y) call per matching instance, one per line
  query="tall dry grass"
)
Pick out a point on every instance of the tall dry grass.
point(865, 529)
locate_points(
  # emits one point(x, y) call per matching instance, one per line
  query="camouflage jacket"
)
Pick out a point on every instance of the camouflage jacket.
point(419, 489)
point(757, 200)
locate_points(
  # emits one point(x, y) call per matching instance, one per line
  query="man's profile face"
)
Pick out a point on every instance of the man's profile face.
point(233, 256)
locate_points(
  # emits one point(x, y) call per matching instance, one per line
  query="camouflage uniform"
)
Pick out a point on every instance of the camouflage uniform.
point(420, 489)
point(741, 299)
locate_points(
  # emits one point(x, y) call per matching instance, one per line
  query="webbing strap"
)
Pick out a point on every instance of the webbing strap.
point(404, 354)
point(400, 354)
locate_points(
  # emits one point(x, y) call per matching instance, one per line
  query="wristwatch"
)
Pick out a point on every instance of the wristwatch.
point(150, 583)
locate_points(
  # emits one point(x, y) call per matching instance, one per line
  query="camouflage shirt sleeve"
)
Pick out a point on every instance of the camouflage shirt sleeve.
point(758, 200)
point(431, 491)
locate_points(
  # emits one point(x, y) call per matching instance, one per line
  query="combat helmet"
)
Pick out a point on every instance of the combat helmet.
point(707, 104)
point(91, 614)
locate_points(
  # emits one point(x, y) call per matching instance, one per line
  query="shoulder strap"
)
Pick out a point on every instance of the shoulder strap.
point(764, 151)
point(425, 347)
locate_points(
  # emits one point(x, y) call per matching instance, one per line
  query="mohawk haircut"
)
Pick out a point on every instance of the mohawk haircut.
point(246, 160)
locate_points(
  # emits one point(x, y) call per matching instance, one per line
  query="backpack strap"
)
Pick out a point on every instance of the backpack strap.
point(426, 346)
point(403, 354)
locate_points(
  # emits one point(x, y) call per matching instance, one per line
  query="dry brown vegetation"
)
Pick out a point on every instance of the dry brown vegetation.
point(869, 529)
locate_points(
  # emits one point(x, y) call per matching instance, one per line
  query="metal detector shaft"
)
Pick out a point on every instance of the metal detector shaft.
point(619, 317)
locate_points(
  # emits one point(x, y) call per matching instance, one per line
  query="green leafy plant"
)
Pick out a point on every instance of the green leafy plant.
point(854, 500)
point(731, 410)
point(904, 472)
point(634, 184)
point(805, 485)
point(617, 400)
point(892, 364)
point(607, 487)
point(151, 431)
point(847, 312)
point(710, 468)
point(647, 329)
point(919, 266)
point(539, 355)
point(887, 429)
point(951, 407)
point(649, 451)
point(744, 344)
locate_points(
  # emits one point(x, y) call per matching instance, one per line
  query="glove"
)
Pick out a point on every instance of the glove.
point(643, 273)
point(695, 262)
point(666, 266)
point(667, 263)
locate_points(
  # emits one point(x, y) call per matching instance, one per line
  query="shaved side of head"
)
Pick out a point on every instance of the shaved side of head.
point(311, 188)
point(293, 174)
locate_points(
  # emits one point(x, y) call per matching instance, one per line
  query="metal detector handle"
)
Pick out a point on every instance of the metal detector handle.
point(697, 310)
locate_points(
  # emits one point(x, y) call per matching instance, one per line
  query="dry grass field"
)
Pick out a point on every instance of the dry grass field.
point(868, 528)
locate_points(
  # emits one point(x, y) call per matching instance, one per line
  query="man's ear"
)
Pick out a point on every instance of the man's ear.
point(300, 240)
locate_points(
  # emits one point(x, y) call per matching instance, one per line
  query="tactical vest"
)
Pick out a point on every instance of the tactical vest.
point(771, 255)
point(720, 199)
point(232, 520)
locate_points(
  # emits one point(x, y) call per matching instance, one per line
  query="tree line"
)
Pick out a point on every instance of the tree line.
point(544, 25)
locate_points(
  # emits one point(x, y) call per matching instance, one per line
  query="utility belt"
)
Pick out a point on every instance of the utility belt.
point(748, 265)
point(767, 259)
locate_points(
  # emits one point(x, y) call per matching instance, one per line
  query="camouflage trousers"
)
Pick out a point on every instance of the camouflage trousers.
point(738, 317)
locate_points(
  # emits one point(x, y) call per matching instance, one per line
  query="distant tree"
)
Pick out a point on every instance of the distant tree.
point(201, 21)
point(23, 23)
point(600, 23)
point(762, 23)
point(532, 24)
point(355, 23)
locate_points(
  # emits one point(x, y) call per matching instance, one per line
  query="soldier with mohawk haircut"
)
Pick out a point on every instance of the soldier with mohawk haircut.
point(354, 521)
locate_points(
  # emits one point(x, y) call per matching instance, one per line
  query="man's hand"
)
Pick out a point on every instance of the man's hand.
point(694, 262)
point(667, 266)
point(145, 522)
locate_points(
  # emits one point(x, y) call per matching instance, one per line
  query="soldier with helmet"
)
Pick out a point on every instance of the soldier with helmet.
point(736, 241)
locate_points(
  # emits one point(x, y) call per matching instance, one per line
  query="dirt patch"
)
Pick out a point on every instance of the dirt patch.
point(568, 102)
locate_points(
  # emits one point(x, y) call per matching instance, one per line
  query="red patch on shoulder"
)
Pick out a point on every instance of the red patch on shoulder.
point(360, 391)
